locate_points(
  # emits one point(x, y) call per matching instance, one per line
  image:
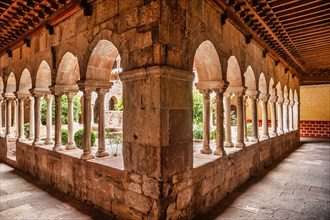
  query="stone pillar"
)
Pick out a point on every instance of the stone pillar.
point(244, 118)
point(240, 123)
point(264, 102)
point(49, 139)
point(87, 154)
point(272, 100)
point(37, 141)
point(219, 123)
point(206, 122)
point(58, 128)
point(101, 133)
point(1, 131)
point(296, 115)
point(8, 120)
point(31, 136)
point(228, 142)
point(254, 111)
point(291, 115)
point(285, 116)
point(70, 144)
point(21, 119)
point(280, 116)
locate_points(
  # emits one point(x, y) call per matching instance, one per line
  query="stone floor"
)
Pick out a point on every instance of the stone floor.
point(21, 197)
point(296, 188)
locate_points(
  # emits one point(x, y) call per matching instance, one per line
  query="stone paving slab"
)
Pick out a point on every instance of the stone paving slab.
point(296, 188)
point(22, 197)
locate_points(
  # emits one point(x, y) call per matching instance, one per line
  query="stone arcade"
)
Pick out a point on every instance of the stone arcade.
point(160, 43)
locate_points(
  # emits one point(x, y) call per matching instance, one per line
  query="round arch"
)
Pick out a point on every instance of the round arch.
point(68, 70)
point(279, 90)
point(44, 76)
point(11, 83)
point(272, 88)
point(25, 82)
point(101, 61)
point(262, 84)
point(234, 76)
point(207, 63)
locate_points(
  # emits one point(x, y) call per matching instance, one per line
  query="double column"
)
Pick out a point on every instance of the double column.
point(280, 116)
point(264, 102)
point(49, 139)
point(254, 111)
point(70, 144)
point(286, 116)
point(21, 96)
point(9, 100)
point(1, 131)
point(291, 104)
point(206, 121)
point(58, 127)
point(272, 100)
point(226, 102)
point(101, 126)
point(240, 123)
point(37, 123)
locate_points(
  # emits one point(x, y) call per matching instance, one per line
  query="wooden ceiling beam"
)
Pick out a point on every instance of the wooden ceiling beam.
point(300, 31)
point(289, 27)
point(296, 5)
point(279, 3)
point(305, 15)
point(310, 35)
point(308, 18)
point(297, 13)
point(290, 11)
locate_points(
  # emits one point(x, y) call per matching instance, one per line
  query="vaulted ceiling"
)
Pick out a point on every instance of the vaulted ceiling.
point(297, 31)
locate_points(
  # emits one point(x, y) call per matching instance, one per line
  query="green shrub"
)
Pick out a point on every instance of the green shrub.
point(198, 131)
point(64, 110)
point(64, 136)
point(27, 130)
point(233, 118)
point(120, 105)
point(79, 138)
point(213, 134)
point(249, 129)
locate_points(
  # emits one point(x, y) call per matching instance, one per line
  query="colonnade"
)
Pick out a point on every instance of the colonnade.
point(281, 112)
point(34, 99)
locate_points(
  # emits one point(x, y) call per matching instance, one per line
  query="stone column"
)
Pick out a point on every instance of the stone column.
point(21, 119)
point(15, 125)
point(8, 121)
point(280, 116)
point(101, 134)
point(244, 119)
point(70, 144)
point(1, 131)
point(228, 142)
point(31, 136)
point(58, 128)
point(264, 102)
point(87, 154)
point(272, 100)
point(285, 116)
point(206, 122)
point(49, 139)
point(296, 115)
point(219, 123)
point(291, 115)
point(92, 114)
point(240, 123)
point(254, 111)
point(37, 123)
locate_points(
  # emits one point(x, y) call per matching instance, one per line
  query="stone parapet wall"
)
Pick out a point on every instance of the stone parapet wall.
point(198, 190)
point(135, 196)
point(317, 129)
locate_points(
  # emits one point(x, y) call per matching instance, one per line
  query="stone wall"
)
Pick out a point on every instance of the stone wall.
point(135, 196)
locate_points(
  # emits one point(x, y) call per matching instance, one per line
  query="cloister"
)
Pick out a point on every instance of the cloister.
point(152, 54)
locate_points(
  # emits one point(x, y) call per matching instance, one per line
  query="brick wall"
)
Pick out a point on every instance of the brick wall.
point(319, 129)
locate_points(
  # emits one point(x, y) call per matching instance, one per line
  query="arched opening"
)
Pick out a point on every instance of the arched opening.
point(104, 66)
point(251, 126)
point(263, 97)
point(234, 96)
point(208, 76)
point(112, 103)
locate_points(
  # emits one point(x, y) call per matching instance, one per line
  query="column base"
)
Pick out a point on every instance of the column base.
point(58, 147)
point(265, 136)
point(31, 138)
point(49, 141)
point(101, 154)
point(37, 143)
point(206, 151)
point(21, 139)
point(246, 140)
point(239, 145)
point(70, 146)
point(220, 152)
point(273, 134)
point(280, 132)
point(88, 156)
point(228, 144)
point(254, 139)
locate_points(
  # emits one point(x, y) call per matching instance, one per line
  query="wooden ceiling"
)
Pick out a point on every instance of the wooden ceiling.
point(297, 31)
